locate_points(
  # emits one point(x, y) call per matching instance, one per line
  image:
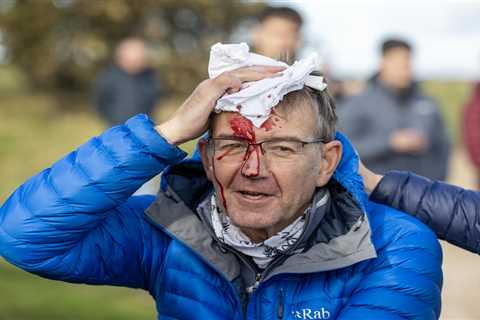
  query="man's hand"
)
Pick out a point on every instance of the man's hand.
point(408, 141)
point(191, 120)
point(370, 179)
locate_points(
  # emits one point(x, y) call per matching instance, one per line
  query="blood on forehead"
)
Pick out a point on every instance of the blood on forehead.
point(243, 128)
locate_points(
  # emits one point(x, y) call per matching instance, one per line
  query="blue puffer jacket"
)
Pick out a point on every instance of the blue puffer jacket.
point(452, 212)
point(78, 222)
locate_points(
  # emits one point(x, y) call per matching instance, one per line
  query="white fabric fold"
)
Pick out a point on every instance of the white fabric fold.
point(256, 99)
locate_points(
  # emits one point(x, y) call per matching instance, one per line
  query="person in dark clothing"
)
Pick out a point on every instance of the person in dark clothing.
point(393, 124)
point(453, 213)
point(128, 87)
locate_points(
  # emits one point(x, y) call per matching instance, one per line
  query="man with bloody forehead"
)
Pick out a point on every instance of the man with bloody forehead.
point(268, 219)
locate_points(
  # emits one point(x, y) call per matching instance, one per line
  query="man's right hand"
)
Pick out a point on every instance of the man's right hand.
point(191, 120)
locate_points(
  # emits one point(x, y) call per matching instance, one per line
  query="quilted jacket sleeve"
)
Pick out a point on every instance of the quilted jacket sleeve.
point(452, 212)
point(405, 280)
point(76, 221)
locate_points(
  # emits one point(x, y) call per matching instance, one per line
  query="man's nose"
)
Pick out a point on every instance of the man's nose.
point(254, 164)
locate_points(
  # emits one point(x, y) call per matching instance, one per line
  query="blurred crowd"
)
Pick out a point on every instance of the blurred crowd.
point(391, 122)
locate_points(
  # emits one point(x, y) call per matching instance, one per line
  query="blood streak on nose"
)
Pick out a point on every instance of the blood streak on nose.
point(243, 128)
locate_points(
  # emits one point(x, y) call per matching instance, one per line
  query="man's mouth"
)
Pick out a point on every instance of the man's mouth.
point(253, 195)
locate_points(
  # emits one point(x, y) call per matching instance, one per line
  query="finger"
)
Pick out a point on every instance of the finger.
point(258, 68)
point(262, 69)
point(231, 81)
point(267, 69)
point(226, 82)
point(248, 75)
point(232, 90)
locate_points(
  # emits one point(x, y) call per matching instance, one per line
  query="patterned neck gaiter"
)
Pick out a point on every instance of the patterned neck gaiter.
point(264, 252)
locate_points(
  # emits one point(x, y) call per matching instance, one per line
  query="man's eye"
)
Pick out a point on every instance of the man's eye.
point(285, 149)
point(231, 146)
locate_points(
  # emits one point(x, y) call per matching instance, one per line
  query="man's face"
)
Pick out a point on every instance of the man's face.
point(396, 68)
point(261, 192)
point(276, 37)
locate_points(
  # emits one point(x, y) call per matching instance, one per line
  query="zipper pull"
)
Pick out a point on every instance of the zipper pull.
point(281, 307)
point(252, 288)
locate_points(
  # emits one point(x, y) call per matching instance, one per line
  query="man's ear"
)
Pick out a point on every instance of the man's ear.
point(331, 156)
point(206, 159)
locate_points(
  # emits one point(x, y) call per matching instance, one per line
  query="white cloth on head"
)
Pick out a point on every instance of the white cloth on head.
point(256, 99)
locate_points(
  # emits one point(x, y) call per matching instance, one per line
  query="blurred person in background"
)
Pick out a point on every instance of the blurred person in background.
point(128, 87)
point(392, 123)
point(471, 129)
point(278, 33)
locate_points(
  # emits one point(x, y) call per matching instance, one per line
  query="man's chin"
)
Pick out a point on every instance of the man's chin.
point(257, 219)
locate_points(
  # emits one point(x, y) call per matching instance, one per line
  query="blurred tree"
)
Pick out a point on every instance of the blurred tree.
point(61, 44)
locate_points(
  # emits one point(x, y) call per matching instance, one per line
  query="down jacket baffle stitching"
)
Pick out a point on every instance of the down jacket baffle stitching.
point(453, 213)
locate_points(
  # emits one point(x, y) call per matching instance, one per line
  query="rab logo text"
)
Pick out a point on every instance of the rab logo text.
point(311, 314)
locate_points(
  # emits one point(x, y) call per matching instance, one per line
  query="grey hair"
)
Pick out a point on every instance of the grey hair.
point(320, 102)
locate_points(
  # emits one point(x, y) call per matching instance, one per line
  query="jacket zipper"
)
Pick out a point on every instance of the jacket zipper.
point(280, 305)
point(258, 278)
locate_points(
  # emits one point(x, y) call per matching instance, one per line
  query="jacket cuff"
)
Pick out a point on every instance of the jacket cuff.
point(143, 129)
point(386, 189)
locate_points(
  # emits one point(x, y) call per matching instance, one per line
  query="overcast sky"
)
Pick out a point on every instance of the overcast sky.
point(445, 33)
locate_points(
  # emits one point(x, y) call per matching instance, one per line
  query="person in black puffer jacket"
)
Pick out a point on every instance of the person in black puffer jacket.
point(453, 213)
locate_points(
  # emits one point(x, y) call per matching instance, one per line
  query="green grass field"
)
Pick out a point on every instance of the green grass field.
point(26, 297)
point(33, 134)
